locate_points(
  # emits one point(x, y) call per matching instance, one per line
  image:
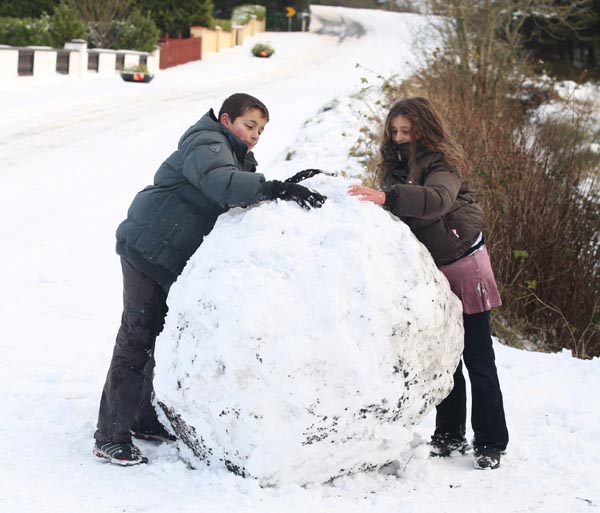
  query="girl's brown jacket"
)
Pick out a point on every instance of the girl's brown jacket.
point(439, 209)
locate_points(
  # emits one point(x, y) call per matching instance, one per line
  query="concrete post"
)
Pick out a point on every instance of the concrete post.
point(79, 58)
point(44, 61)
point(107, 63)
point(9, 62)
point(154, 61)
point(219, 30)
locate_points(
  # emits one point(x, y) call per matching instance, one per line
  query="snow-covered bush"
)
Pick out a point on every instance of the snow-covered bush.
point(241, 14)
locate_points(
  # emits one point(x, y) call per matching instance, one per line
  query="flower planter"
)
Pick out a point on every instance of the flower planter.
point(262, 50)
point(136, 76)
point(263, 54)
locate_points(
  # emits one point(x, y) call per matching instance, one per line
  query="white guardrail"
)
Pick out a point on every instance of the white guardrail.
point(75, 59)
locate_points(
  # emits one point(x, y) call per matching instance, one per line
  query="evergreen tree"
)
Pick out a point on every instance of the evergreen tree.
point(65, 24)
point(27, 8)
point(176, 16)
point(223, 8)
point(276, 13)
point(592, 35)
point(567, 36)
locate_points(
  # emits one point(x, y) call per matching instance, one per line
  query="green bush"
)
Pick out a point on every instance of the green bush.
point(262, 50)
point(176, 17)
point(65, 25)
point(218, 22)
point(24, 31)
point(136, 68)
point(137, 32)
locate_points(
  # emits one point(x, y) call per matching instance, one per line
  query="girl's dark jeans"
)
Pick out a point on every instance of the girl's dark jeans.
point(126, 398)
point(487, 409)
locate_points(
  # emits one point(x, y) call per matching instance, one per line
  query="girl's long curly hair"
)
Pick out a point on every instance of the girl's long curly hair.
point(427, 130)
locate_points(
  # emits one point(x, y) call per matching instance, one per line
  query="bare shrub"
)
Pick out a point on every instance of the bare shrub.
point(538, 183)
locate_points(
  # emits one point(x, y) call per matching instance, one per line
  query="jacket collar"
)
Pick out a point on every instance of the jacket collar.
point(404, 149)
point(239, 146)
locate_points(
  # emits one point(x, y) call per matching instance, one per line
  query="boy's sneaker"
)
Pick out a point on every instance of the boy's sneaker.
point(158, 435)
point(124, 454)
point(443, 445)
point(487, 458)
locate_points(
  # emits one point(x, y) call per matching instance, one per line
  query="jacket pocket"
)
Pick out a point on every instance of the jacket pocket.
point(451, 236)
point(465, 223)
point(438, 238)
point(168, 229)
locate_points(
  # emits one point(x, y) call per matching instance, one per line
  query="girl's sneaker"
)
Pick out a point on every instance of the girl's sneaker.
point(487, 458)
point(443, 445)
point(124, 454)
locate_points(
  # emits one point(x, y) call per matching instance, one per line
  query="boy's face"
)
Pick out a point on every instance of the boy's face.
point(248, 127)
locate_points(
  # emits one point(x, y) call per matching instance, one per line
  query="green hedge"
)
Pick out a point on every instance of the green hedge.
point(25, 31)
point(138, 32)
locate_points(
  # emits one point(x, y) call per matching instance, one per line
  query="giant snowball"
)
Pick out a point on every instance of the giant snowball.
point(303, 345)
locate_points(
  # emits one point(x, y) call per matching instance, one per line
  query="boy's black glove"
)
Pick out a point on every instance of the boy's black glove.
point(305, 197)
point(304, 174)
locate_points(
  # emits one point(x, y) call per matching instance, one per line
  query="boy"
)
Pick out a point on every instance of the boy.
point(212, 170)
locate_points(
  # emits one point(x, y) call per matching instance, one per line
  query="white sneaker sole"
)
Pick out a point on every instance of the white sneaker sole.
point(123, 463)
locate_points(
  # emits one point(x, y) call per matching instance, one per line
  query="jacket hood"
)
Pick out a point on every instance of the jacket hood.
point(210, 123)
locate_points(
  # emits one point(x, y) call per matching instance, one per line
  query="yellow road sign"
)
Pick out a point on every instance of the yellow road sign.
point(290, 11)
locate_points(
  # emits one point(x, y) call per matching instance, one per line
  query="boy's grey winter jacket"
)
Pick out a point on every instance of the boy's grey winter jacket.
point(211, 171)
point(439, 209)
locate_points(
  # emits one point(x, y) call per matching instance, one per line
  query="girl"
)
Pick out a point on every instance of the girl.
point(420, 183)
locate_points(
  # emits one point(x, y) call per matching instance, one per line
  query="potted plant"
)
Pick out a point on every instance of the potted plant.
point(138, 73)
point(262, 50)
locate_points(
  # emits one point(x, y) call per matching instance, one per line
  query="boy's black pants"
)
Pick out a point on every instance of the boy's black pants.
point(126, 398)
point(487, 408)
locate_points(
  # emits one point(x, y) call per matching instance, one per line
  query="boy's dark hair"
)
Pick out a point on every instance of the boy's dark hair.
point(238, 103)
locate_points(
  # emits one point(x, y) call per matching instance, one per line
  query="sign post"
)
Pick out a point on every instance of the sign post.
point(303, 16)
point(290, 12)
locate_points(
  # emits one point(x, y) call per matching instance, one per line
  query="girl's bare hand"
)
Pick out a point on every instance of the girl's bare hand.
point(367, 194)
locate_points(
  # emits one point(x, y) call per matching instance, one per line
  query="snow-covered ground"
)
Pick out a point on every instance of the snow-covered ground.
point(72, 155)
